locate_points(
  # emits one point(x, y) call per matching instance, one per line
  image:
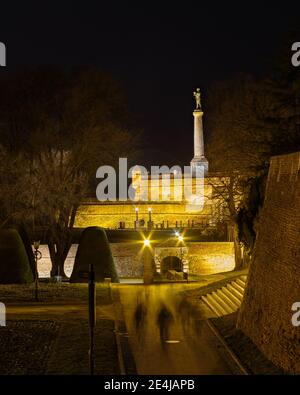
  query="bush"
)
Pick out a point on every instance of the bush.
point(14, 263)
point(27, 244)
point(94, 249)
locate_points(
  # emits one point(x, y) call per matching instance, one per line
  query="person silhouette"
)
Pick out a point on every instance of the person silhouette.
point(164, 321)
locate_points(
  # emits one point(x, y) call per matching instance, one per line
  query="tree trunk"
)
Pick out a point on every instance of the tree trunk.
point(57, 259)
point(238, 253)
point(61, 241)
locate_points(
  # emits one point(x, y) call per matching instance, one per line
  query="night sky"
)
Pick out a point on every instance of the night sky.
point(160, 51)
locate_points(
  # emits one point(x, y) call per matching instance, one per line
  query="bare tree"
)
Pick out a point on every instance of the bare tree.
point(67, 126)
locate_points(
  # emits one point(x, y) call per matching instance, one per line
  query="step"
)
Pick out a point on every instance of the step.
point(222, 303)
point(228, 299)
point(241, 278)
point(212, 306)
point(214, 301)
point(219, 307)
point(241, 283)
point(237, 287)
point(244, 278)
point(236, 293)
point(232, 297)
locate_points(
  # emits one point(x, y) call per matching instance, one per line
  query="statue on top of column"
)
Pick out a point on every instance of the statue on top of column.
point(197, 96)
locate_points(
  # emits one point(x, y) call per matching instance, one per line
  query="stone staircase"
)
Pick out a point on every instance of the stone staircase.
point(227, 299)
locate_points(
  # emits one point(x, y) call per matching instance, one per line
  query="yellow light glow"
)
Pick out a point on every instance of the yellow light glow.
point(177, 234)
point(180, 238)
point(146, 242)
point(149, 209)
point(136, 209)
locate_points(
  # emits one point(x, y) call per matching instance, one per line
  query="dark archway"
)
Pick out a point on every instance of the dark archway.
point(171, 263)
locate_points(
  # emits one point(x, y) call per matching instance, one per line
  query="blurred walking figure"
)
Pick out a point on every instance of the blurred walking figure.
point(164, 321)
point(140, 316)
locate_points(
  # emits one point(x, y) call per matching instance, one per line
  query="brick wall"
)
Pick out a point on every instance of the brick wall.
point(274, 276)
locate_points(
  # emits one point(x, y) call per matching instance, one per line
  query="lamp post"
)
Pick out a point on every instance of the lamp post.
point(37, 257)
point(136, 214)
point(92, 315)
point(150, 223)
point(150, 212)
point(136, 223)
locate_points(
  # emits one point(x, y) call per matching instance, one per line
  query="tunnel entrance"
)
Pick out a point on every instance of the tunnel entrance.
point(171, 263)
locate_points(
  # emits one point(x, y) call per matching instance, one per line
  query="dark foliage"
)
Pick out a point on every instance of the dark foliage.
point(94, 249)
point(14, 263)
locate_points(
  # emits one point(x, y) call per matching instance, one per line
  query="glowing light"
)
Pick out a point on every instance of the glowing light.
point(172, 341)
point(149, 209)
point(177, 234)
point(136, 209)
point(146, 242)
point(180, 238)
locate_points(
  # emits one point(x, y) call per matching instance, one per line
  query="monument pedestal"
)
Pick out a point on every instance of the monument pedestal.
point(199, 166)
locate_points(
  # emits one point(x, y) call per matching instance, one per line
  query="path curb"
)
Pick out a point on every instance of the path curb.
point(231, 357)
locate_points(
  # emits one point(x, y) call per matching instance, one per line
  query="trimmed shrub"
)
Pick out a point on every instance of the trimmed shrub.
point(27, 244)
point(94, 249)
point(14, 263)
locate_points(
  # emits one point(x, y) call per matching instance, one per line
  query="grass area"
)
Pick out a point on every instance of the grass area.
point(54, 343)
point(25, 346)
point(243, 347)
point(43, 347)
point(53, 292)
point(70, 351)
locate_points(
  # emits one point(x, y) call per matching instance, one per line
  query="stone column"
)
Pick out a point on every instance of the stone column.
point(199, 157)
point(198, 134)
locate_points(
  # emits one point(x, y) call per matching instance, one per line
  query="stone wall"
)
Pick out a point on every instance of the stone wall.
point(273, 284)
point(169, 207)
point(211, 258)
point(202, 258)
point(127, 258)
point(109, 214)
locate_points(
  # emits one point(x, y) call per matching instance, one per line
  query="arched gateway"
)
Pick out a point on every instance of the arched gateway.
point(171, 263)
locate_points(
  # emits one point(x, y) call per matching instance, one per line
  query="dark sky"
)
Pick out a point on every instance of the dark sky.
point(160, 50)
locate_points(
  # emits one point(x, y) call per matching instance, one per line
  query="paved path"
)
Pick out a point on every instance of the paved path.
point(166, 334)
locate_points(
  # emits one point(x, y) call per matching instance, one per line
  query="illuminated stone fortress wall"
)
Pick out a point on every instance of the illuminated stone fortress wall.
point(166, 211)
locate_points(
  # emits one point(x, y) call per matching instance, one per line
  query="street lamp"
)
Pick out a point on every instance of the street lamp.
point(37, 257)
point(147, 243)
point(136, 224)
point(150, 223)
point(150, 212)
